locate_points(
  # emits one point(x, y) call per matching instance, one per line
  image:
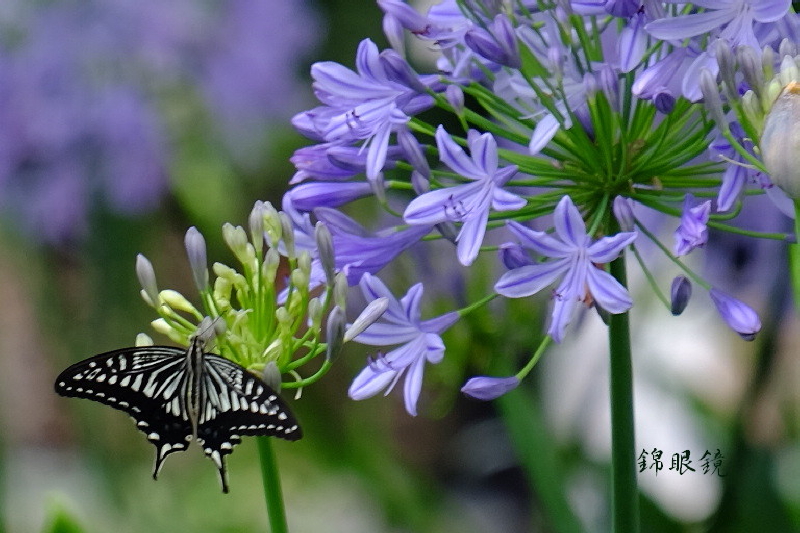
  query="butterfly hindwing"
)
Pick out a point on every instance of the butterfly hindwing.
point(238, 403)
point(148, 383)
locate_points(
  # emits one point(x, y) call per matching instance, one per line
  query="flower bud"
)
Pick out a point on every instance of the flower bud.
point(177, 301)
point(372, 312)
point(750, 65)
point(287, 232)
point(680, 293)
point(780, 142)
point(738, 315)
point(142, 339)
point(623, 211)
point(147, 279)
point(256, 221)
point(489, 388)
point(340, 290)
point(196, 251)
point(334, 333)
point(712, 100)
point(272, 376)
point(322, 236)
point(455, 97)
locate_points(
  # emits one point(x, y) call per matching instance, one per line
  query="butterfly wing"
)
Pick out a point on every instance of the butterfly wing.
point(235, 403)
point(149, 383)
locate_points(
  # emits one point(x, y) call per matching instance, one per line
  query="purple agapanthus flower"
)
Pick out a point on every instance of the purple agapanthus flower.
point(468, 203)
point(693, 230)
point(574, 256)
point(367, 104)
point(419, 342)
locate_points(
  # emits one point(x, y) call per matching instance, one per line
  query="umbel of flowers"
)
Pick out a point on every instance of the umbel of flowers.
point(574, 130)
point(266, 330)
point(569, 120)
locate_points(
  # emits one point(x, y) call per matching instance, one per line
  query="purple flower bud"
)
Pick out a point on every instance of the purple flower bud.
point(712, 99)
point(324, 241)
point(413, 152)
point(664, 101)
point(680, 293)
point(750, 65)
point(737, 314)
point(513, 256)
point(455, 97)
point(693, 230)
point(147, 279)
point(498, 44)
point(314, 162)
point(623, 211)
point(489, 388)
point(196, 250)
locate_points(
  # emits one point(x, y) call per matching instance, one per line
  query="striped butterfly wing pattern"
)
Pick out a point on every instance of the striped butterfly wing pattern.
point(175, 394)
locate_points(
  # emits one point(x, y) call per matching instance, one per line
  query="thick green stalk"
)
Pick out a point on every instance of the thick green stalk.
point(794, 256)
point(624, 493)
point(272, 486)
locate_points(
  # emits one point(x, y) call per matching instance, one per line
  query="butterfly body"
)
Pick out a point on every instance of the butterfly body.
point(179, 395)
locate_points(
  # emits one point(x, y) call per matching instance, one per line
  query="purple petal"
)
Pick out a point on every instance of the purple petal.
point(440, 323)
point(484, 152)
point(607, 291)
point(373, 288)
point(442, 204)
point(770, 10)
point(452, 155)
point(370, 381)
point(607, 249)
point(733, 181)
point(543, 133)
point(685, 26)
point(527, 280)
point(413, 385)
point(540, 241)
point(503, 200)
point(489, 388)
point(563, 309)
point(513, 256)
point(471, 236)
point(387, 334)
point(569, 223)
point(307, 196)
point(410, 303)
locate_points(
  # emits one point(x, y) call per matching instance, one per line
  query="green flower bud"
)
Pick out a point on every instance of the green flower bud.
point(269, 268)
point(163, 327)
point(177, 301)
point(315, 314)
point(143, 339)
point(256, 221)
point(236, 239)
point(325, 246)
point(780, 142)
point(340, 290)
point(287, 232)
point(272, 224)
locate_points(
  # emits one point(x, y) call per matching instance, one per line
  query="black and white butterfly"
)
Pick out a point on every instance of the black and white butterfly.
point(176, 395)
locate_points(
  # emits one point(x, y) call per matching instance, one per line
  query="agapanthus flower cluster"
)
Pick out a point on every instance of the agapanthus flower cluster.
point(569, 132)
point(263, 328)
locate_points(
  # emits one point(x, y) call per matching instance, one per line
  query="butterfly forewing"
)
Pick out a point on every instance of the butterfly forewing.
point(159, 387)
point(149, 383)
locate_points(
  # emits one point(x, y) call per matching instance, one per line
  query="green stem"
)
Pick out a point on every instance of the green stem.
point(794, 256)
point(272, 486)
point(624, 493)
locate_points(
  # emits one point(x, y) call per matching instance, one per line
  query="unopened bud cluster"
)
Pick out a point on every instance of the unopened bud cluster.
point(275, 312)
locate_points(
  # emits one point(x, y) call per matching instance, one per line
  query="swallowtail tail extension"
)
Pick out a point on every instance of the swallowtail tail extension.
point(176, 395)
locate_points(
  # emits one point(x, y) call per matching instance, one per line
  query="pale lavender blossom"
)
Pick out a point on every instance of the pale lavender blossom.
point(738, 315)
point(575, 257)
point(693, 230)
point(489, 388)
point(468, 203)
point(367, 104)
point(419, 342)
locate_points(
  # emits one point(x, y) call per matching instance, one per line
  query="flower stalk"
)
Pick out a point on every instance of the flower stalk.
point(624, 491)
point(273, 495)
